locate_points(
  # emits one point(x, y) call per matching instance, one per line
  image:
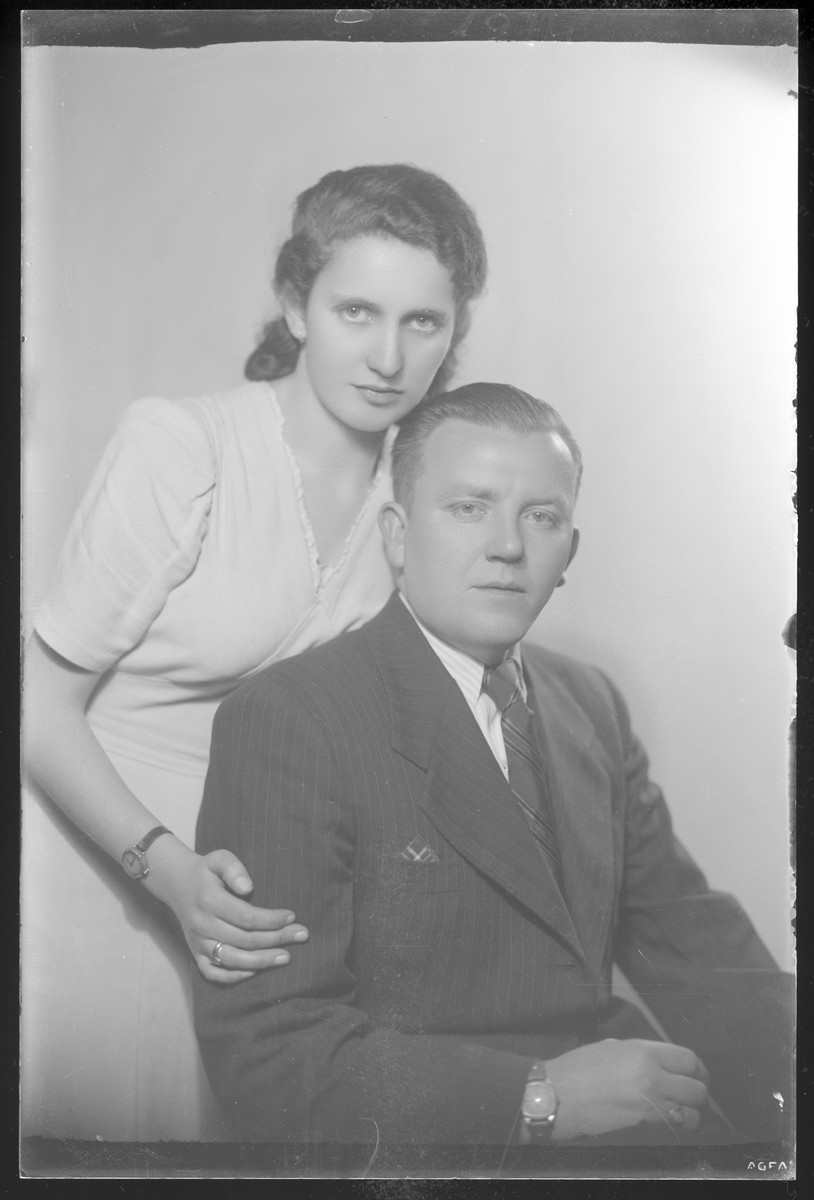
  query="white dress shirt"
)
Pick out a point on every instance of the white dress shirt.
point(468, 674)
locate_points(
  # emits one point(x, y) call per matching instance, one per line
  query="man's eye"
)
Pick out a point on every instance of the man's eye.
point(539, 516)
point(467, 511)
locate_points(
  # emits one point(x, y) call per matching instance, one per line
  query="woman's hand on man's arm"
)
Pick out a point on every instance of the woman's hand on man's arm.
point(201, 891)
point(65, 757)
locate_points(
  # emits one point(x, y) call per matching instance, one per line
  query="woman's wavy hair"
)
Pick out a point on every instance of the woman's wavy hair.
point(396, 200)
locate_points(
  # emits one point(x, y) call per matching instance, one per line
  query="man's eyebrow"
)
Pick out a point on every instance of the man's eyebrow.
point(551, 502)
point(457, 490)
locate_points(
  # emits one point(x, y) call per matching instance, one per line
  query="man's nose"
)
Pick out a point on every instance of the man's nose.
point(386, 356)
point(505, 540)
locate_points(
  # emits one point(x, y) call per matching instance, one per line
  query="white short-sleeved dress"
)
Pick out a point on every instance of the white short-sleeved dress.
point(190, 565)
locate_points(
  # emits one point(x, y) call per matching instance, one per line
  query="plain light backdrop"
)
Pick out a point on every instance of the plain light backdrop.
point(639, 205)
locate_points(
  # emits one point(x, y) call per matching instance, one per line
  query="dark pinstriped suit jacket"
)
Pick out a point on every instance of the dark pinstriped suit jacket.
point(426, 987)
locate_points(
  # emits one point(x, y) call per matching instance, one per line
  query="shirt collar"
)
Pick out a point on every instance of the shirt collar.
point(465, 670)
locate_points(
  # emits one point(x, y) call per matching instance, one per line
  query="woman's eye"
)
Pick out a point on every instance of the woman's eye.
point(424, 321)
point(354, 312)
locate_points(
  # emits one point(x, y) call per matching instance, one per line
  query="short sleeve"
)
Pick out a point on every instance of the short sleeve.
point(136, 535)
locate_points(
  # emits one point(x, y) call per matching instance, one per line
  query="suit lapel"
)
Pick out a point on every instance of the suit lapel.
point(469, 801)
point(581, 797)
point(466, 795)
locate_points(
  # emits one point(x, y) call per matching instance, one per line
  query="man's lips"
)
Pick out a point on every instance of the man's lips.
point(499, 587)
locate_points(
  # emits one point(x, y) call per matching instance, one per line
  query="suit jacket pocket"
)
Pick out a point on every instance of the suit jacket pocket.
point(422, 878)
point(410, 906)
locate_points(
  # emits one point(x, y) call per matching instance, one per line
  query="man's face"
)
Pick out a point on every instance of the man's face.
point(488, 535)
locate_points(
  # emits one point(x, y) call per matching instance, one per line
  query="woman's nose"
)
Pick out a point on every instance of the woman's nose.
point(386, 356)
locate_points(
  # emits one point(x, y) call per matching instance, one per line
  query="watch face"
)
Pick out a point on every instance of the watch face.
point(131, 861)
point(539, 1101)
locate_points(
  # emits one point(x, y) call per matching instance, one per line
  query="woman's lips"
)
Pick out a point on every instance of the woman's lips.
point(379, 396)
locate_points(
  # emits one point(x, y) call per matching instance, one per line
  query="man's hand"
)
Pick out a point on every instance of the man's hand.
point(616, 1084)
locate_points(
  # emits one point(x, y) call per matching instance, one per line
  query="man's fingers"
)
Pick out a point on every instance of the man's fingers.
point(689, 1092)
point(682, 1116)
point(682, 1061)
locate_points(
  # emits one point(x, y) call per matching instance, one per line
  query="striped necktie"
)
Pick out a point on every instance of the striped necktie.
point(527, 776)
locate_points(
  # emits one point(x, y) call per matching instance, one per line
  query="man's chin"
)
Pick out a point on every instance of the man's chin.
point(489, 643)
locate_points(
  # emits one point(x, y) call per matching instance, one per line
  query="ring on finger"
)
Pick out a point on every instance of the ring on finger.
point(215, 957)
point(676, 1115)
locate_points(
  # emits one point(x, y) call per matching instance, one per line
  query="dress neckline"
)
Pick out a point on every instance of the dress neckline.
point(321, 574)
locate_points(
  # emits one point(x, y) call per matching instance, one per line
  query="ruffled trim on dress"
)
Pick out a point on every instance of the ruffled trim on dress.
point(322, 574)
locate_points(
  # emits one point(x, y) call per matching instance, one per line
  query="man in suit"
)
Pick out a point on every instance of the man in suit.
point(469, 831)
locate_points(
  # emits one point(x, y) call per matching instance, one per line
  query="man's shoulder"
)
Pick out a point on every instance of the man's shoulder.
point(551, 664)
point(328, 673)
point(556, 675)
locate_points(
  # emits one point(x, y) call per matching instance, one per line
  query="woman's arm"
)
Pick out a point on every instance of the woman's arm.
point(64, 755)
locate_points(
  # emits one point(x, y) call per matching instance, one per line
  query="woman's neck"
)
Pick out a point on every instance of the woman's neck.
point(319, 441)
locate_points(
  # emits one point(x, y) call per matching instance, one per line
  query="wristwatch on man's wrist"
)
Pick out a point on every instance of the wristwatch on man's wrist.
point(133, 859)
point(539, 1107)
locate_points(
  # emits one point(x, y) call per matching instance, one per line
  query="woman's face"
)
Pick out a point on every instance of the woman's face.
point(377, 325)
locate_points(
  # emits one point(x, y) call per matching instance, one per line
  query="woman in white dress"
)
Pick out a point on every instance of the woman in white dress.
point(218, 534)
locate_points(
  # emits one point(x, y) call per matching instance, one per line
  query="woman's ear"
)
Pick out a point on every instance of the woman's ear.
point(393, 524)
point(294, 313)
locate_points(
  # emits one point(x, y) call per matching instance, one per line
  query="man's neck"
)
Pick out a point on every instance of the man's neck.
point(479, 661)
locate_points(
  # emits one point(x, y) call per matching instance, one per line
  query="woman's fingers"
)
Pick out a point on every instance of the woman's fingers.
point(233, 959)
point(227, 925)
point(219, 974)
point(211, 930)
point(238, 936)
point(234, 965)
point(228, 867)
point(222, 904)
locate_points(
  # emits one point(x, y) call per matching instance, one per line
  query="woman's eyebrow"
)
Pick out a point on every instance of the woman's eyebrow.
point(347, 298)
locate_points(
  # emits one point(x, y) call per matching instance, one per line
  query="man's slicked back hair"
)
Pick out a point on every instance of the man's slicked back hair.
point(492, 405)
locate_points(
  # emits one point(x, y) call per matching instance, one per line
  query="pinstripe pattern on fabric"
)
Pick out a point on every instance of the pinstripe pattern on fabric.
point(527, 775)
point(409, 964)
point(426, 986)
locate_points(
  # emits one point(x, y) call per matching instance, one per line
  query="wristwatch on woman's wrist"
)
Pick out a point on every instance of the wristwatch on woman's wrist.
point(133, 859)
point(539, 1107)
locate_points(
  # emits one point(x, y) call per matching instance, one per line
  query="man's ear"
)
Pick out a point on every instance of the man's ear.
point(571, 553)
point(574, 547)
point(393, 524)
point(294, 313)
